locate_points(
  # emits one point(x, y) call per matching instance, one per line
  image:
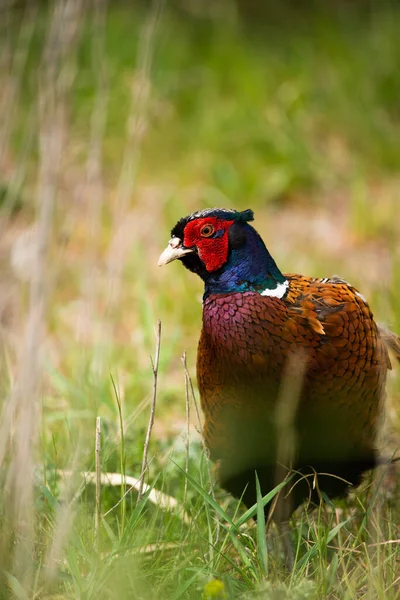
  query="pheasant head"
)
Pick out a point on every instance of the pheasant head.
point(226, 252)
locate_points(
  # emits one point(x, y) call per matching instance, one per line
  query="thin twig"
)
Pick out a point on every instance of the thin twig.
point(203, 442)
point(98, 484)
point(187, 428)
point(123, 457)
point(154, 365)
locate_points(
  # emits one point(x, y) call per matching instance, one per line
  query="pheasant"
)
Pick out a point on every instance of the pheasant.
point(265, 332)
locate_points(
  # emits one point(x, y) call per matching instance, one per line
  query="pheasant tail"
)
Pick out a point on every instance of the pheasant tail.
point(391, 341)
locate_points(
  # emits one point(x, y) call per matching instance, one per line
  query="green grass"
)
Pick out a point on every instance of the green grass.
point(295, 117)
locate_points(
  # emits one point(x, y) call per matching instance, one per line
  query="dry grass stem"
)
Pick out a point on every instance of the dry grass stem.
point(93, 191)
point(13, 63)
point(97, 519)
point(64, 518)
point(285, 415)
point(21, 416)
point(187, 438)
point(203, 442)
point(135, 132)
point(152, 410)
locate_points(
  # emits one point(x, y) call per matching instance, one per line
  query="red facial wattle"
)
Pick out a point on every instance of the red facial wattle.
point(212, 249)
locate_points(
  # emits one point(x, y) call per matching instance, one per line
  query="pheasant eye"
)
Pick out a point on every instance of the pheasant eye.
point(207, 230)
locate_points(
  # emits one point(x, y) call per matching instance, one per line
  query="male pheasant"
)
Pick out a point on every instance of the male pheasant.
point(263, 329)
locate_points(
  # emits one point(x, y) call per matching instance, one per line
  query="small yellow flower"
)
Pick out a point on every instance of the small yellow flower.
point(214, 590)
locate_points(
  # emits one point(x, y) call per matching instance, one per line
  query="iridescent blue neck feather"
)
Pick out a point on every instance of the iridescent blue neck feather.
point(249, 268)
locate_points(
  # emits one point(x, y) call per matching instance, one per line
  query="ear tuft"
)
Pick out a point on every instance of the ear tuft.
point(245, 215)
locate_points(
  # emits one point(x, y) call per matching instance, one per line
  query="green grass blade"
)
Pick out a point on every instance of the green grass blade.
point(252, 511)
point(261, 532)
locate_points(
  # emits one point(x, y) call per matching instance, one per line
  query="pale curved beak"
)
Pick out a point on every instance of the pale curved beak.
point(173, 251)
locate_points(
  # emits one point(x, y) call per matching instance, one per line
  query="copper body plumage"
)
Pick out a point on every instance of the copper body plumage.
point(244, 347)
point(262, 328)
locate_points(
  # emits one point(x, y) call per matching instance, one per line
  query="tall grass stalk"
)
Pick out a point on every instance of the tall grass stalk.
point(20, 422)
point(98, 484)
point(154, 364)
point(122, 457)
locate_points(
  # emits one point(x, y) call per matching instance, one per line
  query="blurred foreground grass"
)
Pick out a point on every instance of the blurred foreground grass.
point(114, 124)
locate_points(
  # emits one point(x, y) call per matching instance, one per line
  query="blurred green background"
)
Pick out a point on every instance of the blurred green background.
point(123, 117)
